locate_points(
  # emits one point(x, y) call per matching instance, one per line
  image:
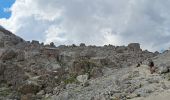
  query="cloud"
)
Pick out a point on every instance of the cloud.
point(98, 22)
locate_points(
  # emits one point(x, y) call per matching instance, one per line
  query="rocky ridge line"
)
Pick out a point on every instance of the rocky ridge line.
point(34, 71)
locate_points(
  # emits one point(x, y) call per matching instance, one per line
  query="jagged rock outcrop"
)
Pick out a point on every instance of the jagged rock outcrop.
point(7, 39)
point(134, 46)
point(82, 45)
point(29, 88)
point(8, 54)
point(38, 71)
point(12, 74)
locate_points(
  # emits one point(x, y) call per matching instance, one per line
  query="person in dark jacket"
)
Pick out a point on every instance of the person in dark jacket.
point(151, 66)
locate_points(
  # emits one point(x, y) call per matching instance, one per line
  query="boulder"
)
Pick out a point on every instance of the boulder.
point(82, 78)
point(73, 45)
point(134, 74)
point(100, 61)
point(163, 68)
point(52, 44)
point(50, 52)
point(96, 72)
point(28, 97)
point(41, 93)
point(143, 92)
point(134, 46)
point(81, 67)
point(14, 75)
point(21, 56)
point(132, 95)
point(34, 42)
point(8, 54)
point(82, 45)
point(53, 66)
point(48, 82)
point(29, 88)
point(153, 80)
point(121, 49)
point(69, 86)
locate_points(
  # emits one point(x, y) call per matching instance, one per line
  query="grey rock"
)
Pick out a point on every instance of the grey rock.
point(121, 49)
point(96, 72)
point(41, 92)
point(8, 54)
point(34, 42)
point(143, 92)
point(102, 72)
point(82, 45)
point(21, 56)
point(134, 46)
point(82, 78)
point(63, 96)
point(14, 75)
point(134, 74)
point(163, 68)
point(153, 80)
point(52, 44)
point(8, 39)
point(29, 88)
point(70, 86)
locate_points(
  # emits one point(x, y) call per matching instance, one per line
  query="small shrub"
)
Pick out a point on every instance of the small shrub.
point(168, 77)
point(71, 79)
point(5, 91)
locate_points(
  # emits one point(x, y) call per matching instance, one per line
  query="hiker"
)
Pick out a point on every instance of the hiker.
point(151, 66)
point(139, 64)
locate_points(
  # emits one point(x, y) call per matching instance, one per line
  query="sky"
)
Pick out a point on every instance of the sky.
point(4, 5)
point(94, 22)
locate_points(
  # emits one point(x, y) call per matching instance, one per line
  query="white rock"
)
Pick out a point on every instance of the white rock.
point(42, 92)
point(163, 69)
point(82, 78)
point(56, 77)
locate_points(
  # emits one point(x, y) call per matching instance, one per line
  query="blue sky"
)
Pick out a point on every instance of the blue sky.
point(5, 4)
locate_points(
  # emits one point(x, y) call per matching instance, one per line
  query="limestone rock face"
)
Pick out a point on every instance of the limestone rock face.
point(85, 66)
point(34, 42)
point(134, 46)
point(20, 56)
point(13, 75)
point(163, 68)
point(8, 54)
point(7, 39)
point(37, 71)
point(82, 45)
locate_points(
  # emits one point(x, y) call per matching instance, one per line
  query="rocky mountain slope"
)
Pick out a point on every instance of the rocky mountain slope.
point(34, 71)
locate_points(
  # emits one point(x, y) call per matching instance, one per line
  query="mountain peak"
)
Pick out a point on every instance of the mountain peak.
point(7, 38)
